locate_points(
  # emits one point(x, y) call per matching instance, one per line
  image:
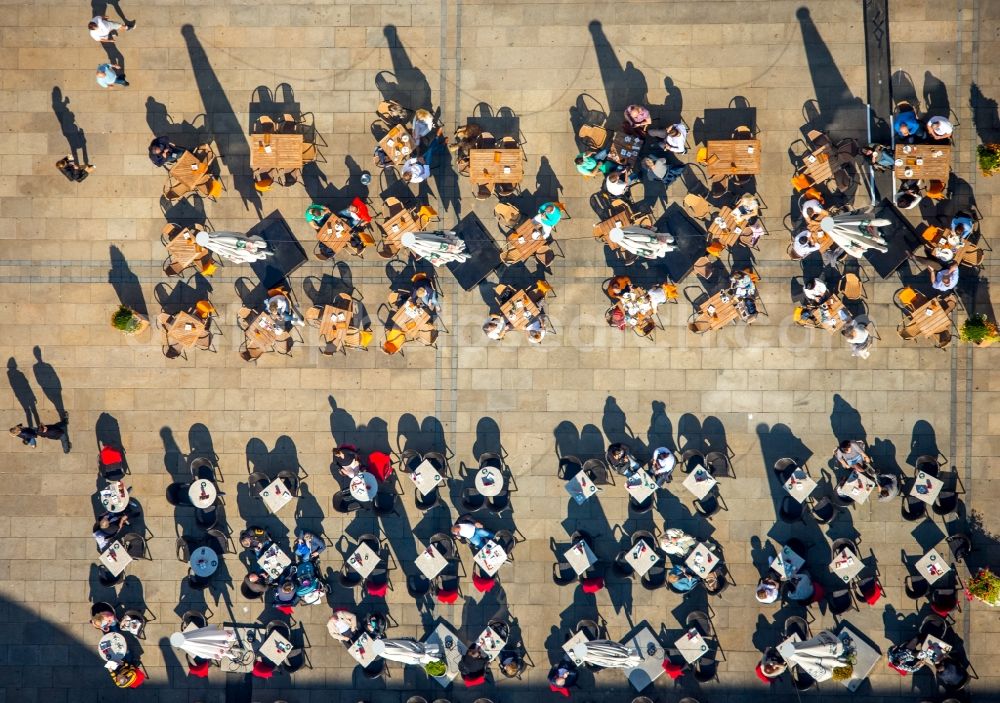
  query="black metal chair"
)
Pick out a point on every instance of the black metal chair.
point(700, 621)
point(202, 468)
point(843, 543)
point(177, 495)
point(563, 574)
point(206, 517)
point(384, 503)
point(944, 600)
point(569, 466)
point(946, 503)
point(140, 616)
point(718, 464)
point(291, 481)
point(257, 482)
point(498, 503)
point(934, 625)
point(183, 548)
point(193, 617)
point(135, 545)
point(916, 587)
point(801, 680)
point(839, 601)
point(928, 464)
point(708, 506)
point(491, 460)
point(295, 660)
point(707, 667)
point(471, 500)
point(409, 460)
point(641, 508)
point(598, 471)
point(620, 567)
point(279, 626)
point(417, 586)
point(796, 625)
point(438, 461)
point(429, 501)
point(344, 503)
point(692, 458)
point(791, 511)
point(375, 670)
point(823, 510)
point(960, 545)
point(912, 509)
point(218, 541)
point(348, 578)
point(445, 544)
point(108, 579)
point(655, 578)
point(782, 467)
point(198, 583)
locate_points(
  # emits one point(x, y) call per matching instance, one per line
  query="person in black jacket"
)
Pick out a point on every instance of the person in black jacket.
point(472, 665)
point(163, 153)
point(563, 674)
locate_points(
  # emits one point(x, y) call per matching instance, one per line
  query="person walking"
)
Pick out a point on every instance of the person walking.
point(105, 30)
point(109, 74)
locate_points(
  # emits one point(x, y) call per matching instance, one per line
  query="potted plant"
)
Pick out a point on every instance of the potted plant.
point(843, 673)
point(436, 668)
point(128, 321)
point(988, 156)
point(979, 331)
point(985, 586)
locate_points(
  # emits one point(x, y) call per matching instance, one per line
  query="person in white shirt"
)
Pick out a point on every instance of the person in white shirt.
point(939, 128)
point(813, 209)
point(616, 183)
point(472, 530)
point(496, 328)
point(768, 590)
point(279, 308)
point(944, 280)
point(423, 125)
point(416, 171)
point(676, 542)
point(803, 246)
point(663, 461)
point(859, 338)
point(815, 291)
point(675, 138)
point(342, 625)
point(102, 29)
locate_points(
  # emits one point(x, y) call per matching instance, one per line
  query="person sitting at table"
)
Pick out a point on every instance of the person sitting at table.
point(415, 170)
point(464, 142)
point(381, 159)
point(949, 673)
point(812, 210)
point(945, 279)
point(343, 625)
point(771, 664)
point(908, 196)
point(105, 620)
point(317, 214)
point(163, 153)
point(106, 528)
point(680, 579)
point(907, 126)
point(285, 593)
point(346, 458)
point(428, 297)
point(535, 331)
point(279, 307)
point(637, 120)
point(548, 216)
point(617, 183)
point(621, 460)
point(858, 336)
point(850, 454)
point(256, 583)
point(888, 487)
point(423, 125)
point(563, 674)
point(962, 225)
point(676, 542)
point(496, 327)
point(939, 128)
point(589, 162)
point(307, 545)
point(472, 665)
point(353, 217)
point(657, 169)
point(880, 155)
point(661, 465)
point(674, 137)
point(803, 245)
point(800, 587)
point(255, 538)
point(903, 659)
point(127, 675)
point(511, 662)
point(470, 529)
point(742, 284)
point(815, 291)
point(768, 590)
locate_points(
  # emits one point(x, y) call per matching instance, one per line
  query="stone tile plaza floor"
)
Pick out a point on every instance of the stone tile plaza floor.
point(70, 252)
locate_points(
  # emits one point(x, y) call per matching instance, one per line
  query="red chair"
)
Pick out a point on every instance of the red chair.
point(674, 671)
point(483, 584)
point(819, 594)
point(286, 609)
point(110, 456)
point(592, 584)
point(362, 210)
point(380, 466)
point(377, 590)
point(263, 670)
point(559, 689)
point(873, 597)
point(199, 670)
point(446, 597)
point(760, 675)
point(898, 671)
point(475, 681)
point(140, 677)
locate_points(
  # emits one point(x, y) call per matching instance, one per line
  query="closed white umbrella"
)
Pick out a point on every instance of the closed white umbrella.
point(406, 651)
point(855, 232)
point(437, 247)
point(234, 247)
point(206, 642)
point(643, 242)
point(820, 655)
point(607, 654)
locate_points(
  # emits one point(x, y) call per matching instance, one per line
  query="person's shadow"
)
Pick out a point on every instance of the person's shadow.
point(22, 391)
point(75, 136)
point(48, 380)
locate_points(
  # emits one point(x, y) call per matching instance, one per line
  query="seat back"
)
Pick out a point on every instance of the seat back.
point(930, 233)
point(851, 286)
point(697, 205)
point(204, 309)
point(935, 190)
point(702, 156)
point(213, 188)
point(801, 181)
point(593, 136)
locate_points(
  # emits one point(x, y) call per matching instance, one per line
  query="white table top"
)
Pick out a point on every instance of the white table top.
point(364, 487)
point(490, 643)
point(570, 644)
point(933, 649)
point(204, 561)
point(787, 563)
point(275, 648)
point(931, 486)
point(274, 561)
point(581, 487)
point(363, 560)
point(932, 566)
point(276, 495)
point(785, 649)
point(652, 654)
point(113, 647)
point(362, 650)
point(431, 562)
point(857, 487)
point(491, 557)
point(425, 477)
point(115, 558)
point(800, 484)
point(443, 635)
point(114, 497)
point(202, 493)
point(580, 557)
point(866, 658)
point(701, 560)
point(642, 557)
point(846, 564)
point(692, 646)
point(489, 481)
point(699, 482)
point(640, 485)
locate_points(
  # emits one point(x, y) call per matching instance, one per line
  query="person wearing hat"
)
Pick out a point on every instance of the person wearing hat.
point(939, 129)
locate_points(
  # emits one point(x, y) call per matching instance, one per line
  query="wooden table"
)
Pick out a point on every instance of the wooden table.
point(330, 237)
point(816, 165)
point(488, 166)
point(189, 170)
point(185, 330)
point(833, 306)
point(331, 327)
point(603, 229)
point(732, 227)
point(410, 319)
point(183, 249)
point(818, 236)
point(394, 227)
point(725, 311)
point(930, 318)
point(523, 241)
point(936, 168)
point(286, 151)
point(520, 311)
point(625, 149)
point(734, 157)
point(941, 244)
point(397, 144)
point(263, 332)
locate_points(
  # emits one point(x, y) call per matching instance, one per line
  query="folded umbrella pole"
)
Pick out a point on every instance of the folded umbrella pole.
point(234, 247)
point(205, 643)
point(436, 247)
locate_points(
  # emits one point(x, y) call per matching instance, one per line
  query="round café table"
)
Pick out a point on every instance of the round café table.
point(489, 481)
point(113, 647)
point(114, 497)
point(364, 486)
point(202, 493)
point(204, 562)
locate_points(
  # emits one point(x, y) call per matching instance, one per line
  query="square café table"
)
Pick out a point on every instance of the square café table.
point(787, 563)
point(581, 557)
point(935, 162)
point(733, 157)
point(490, 643)
point(640, 485)
point(425, 477)
point(491, 557)
point(331, 237)
point(800, 484)
point(276, 495)
point(275, 648)
point(410, 319)
point(443, 636)
point(115, 558)
point(183, 248)
point(431, 562)
point(520, 310)
point(652, 653)
point(932, 487)
point(363, 560)
point(846, 565)
point(932, 566)
point(274, 561)
point(692, 646)
point(569, 645)
point(699, 482)
point(189, 170)
point(397, 144)
point(581, 487)
point(857, 487)
point(276, 150)
point(334, 323)
point(642, 557)
point(865, 657)
point(495, 166)
point(363, 650)
point(185, 330)
point(701, 560)
point(933, 649)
